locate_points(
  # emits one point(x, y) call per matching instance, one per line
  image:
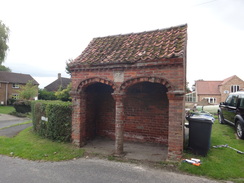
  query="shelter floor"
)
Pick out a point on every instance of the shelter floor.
point(133, 150)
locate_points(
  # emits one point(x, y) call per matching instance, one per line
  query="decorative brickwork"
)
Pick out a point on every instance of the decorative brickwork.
point(141, 99)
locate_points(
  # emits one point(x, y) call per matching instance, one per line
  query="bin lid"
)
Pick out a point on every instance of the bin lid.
point(205, 118)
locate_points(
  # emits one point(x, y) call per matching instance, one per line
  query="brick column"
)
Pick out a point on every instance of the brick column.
point(176, 122)
point(78, 118)
point(119, 123)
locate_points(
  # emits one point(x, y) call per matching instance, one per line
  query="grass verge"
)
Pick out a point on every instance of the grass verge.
point(6, 109)
point(220, 163)
point(31, 146)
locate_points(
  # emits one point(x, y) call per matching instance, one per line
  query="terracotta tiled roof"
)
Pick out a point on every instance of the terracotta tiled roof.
point(135, 47)
point(208, 87)
point(12, 77)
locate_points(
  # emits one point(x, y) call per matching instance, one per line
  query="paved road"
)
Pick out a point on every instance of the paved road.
point(86, 171)
point(8, 120)
point(14, 130)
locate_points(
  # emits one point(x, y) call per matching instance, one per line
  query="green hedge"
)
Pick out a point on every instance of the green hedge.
point(52, 119)
point(22, 106)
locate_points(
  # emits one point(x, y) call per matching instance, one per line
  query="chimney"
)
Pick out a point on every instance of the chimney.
point(59, 75)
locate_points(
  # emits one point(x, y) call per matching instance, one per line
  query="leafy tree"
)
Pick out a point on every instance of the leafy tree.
point(3, 68)
point(43, 94)
point(4, 35)
point(29, 91)
point(64, 94)
point(187, 87)
point(67, 66)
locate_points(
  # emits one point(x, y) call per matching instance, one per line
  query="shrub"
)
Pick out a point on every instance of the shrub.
point(11, 101)
point(22, 106)
point(63, 94)
point(52, 119)
point(29, 91)
point(43, 94)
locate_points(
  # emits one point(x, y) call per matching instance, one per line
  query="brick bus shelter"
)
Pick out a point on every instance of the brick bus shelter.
point(131, 88)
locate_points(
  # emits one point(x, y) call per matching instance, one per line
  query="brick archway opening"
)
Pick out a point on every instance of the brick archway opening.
point(146, 113)
point(100, 111)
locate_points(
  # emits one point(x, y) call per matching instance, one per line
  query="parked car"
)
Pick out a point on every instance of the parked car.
point(232, 111)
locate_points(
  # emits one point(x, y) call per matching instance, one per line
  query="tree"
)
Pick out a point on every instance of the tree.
point(4, 35)
point(29, 91)
point(64, 94)
point(67, 66)
point(3, 68)
point(43, 94)
point(187, 88)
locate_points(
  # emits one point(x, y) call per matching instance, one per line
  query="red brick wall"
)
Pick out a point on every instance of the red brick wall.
point(100, 111)
point(175, 74)
point(153, 105)
point(146, 113)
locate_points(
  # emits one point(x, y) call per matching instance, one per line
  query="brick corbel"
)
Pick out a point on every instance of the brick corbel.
point(176, 95)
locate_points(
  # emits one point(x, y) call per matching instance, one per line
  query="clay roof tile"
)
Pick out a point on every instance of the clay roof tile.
point(135, 47)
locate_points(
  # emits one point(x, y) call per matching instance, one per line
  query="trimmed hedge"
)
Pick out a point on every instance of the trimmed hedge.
point(22, 106)
point(52, 119)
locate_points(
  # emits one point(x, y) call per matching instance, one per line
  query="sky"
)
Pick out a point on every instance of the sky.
point(44, 34)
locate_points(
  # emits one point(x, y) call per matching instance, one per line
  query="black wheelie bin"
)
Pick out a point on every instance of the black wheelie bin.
point(200, 128)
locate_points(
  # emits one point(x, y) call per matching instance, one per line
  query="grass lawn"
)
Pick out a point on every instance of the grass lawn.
point(31, 146)
point(220, 163)
point(6, 109)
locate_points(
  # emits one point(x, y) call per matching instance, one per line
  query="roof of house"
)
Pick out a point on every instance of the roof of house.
point(211, 87)
point(208, 87)
point(60, 82)
point(11, 77)
point(135, 47)
point(230, 78)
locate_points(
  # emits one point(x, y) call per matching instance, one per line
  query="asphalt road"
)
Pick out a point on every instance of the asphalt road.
point(86, 171)
point(8, 120)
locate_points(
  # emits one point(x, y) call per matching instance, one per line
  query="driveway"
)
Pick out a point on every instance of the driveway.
point(9, 120)
point(88, 171)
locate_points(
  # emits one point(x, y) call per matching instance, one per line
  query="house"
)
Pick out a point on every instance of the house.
point(60, 82)
point(217, 91)
point(131, 88)
point(11, 83)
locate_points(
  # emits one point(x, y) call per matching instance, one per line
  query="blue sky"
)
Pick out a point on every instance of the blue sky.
point(46, 33)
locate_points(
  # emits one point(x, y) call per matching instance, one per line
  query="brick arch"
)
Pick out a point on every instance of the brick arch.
point(151, 79)
point(84, 83)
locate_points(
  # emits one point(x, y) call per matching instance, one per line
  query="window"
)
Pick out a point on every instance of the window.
point(211, 100)
point(233, 101)
point(15, 96)
point(191, 97)
point(241, 101)
point(15, 85)
point(234, 88)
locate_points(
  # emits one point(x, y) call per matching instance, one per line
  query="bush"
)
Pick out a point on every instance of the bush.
point(43, 94)
point(11, 101)
point(22, 106)
point(52, 119)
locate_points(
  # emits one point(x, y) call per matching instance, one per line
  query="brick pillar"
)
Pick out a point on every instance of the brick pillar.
point(119, 123)
point(176, 122)
point(78, 118)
